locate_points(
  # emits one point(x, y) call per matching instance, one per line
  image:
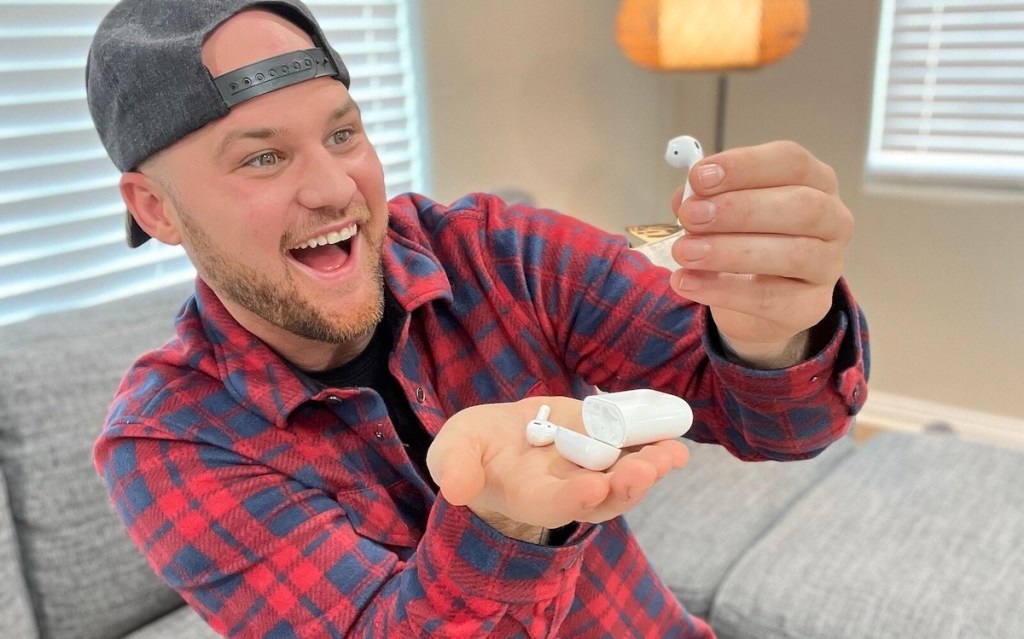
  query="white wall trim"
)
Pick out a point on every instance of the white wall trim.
point(889, 411)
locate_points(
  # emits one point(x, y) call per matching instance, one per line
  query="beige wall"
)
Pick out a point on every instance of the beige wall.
point(534, 94)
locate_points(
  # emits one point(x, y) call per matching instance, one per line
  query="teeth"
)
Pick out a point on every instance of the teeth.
point(331, 238)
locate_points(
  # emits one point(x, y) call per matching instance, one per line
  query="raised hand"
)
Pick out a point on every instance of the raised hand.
point(766, 232)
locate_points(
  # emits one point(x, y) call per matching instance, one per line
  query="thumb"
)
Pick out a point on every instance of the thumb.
point(454, 465)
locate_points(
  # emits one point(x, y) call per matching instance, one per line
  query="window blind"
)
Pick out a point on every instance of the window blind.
point(949, 94)
point(61, 216)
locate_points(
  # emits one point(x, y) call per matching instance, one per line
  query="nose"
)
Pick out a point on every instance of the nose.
point(324, 181)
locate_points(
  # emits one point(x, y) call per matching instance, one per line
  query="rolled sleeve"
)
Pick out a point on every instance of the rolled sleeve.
point(795, 412)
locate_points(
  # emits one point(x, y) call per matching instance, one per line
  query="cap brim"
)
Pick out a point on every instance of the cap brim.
point(134, 234)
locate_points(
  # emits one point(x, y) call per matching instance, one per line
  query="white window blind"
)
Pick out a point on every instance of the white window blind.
point(949, 94)
point(61, 216)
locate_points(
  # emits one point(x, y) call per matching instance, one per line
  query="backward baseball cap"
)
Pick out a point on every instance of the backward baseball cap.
point(147, 86)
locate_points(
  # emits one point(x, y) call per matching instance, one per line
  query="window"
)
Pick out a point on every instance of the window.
point(61, 216)
point(949, 94)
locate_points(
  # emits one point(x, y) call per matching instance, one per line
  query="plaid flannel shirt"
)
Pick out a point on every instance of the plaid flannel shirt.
point(281, 511)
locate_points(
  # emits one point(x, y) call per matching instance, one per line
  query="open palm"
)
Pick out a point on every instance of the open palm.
point(481, 459)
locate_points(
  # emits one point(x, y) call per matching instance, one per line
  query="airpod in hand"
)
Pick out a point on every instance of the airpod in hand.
point(539, 431)
point(682, 153)
point(613, 421)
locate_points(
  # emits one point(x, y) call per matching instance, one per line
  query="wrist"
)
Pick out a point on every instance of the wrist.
point(513, 529)
point(774, 355)
point(767, 355)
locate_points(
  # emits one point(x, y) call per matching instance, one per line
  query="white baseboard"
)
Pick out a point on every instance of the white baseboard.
point(888, 411)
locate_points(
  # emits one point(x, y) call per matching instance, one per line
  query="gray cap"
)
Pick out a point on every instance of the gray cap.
point(147, 86)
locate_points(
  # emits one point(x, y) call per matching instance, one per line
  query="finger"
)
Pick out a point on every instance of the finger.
point(803, 258)
point(631, 477)
point(454, 464)
point(783, 210)
point(660, 460)
point(757, 167)
point(573, 499)
point(636, 473)
point(789, 302)
point(460, 481)
point(664, 455)
point(678, 452)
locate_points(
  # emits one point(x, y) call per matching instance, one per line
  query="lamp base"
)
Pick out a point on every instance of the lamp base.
point(720, 111)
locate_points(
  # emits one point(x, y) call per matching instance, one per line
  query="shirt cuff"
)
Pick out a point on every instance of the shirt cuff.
point(474, 560)
point(842, 355)
point(796, 412)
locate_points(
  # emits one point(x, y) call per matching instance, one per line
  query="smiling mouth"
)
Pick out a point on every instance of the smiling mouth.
point(327, 252)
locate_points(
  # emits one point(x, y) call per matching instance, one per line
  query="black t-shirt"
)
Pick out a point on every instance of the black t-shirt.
point(369, 369)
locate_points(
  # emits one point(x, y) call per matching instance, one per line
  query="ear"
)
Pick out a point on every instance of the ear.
point(151, 207)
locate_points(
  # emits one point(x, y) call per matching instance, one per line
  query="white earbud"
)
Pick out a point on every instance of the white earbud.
point(682, 153)
point(539, 431)
point(577, 448)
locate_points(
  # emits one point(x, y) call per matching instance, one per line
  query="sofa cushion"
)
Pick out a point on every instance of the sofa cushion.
point(16, 618)
point(913, 536)
point(86, 578)
point(696, 523)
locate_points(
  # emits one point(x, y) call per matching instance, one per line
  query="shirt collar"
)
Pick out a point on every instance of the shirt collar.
point(259, 378)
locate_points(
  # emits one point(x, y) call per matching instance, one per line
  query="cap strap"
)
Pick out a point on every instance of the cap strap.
point(273, 73)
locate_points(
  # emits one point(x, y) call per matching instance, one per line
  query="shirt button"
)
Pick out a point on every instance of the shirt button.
point(420, 395)
point(333, 398)
point(379, 435)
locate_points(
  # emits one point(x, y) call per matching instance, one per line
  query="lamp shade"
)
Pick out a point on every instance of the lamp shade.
point(709, 34)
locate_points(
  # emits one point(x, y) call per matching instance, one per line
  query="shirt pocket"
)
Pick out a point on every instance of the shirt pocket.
point(392, 515)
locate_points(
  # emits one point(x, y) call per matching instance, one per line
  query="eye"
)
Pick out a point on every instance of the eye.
point(341, 136)
point(267, 158)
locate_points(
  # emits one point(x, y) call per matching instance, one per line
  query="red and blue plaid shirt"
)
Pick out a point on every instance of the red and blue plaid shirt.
point(281, 510)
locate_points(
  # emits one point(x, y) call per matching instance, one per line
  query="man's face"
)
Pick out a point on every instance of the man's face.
point(281, 204)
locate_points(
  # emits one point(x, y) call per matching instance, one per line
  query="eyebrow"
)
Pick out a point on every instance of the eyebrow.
point(343, 110)
point(246, 134)
point(266, 133)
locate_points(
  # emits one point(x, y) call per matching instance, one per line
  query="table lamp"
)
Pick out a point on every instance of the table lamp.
point(710, 35)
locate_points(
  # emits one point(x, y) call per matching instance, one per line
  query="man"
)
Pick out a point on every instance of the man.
point(333, 444)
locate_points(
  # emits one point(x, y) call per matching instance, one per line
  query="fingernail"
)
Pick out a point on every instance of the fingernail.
point(701, 212)
point(684, 281)
point(691, 249)
point(710, 175)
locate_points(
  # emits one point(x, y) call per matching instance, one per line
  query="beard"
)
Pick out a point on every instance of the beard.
point(281, 302)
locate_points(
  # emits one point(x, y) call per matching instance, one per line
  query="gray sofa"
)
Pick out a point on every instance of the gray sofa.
point(906, 536)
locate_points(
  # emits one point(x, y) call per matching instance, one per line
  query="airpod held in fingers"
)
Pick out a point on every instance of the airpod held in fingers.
point(682, 153)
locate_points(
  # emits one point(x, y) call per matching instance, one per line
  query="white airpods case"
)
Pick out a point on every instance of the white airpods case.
point(634, 417)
